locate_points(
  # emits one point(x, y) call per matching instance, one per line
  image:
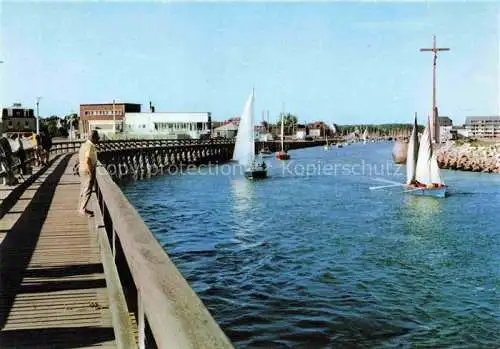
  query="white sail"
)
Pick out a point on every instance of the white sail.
point(422, 172)
point(412, 154)
point(365, 134)
point(427, 171)
point(435, 174)
point(244, 148)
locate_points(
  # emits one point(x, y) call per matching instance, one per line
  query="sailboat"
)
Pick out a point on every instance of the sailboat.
point(282, 154)
point(327, 146)
point(264, 151)
point(422, 170)
point(365, 136)
point(244, 148)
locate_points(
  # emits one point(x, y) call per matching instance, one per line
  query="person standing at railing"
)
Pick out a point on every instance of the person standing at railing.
point(46, 145)
point(18, 150)
point(87, 157)
point(37, 148)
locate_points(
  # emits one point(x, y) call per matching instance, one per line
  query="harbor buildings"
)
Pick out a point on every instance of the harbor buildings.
point(459, 132)
point(445, 128)
point(106, 118)
point(318, 129)
point(227, 130)
point(128, 121)
point(17, 119)
point(170, 125)
point(301, 133)
point(483, 126)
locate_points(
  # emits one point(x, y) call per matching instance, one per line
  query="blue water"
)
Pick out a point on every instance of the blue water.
point(312, 258)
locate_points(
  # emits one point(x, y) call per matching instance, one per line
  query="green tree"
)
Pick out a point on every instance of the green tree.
point(289, 121)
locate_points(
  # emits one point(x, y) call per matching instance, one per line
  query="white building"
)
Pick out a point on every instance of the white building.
point(315, 132)
point(167, 125)
point(459, 132)
point(300, 134)
point(483, 126)
point(265, 137)
point(228, 130)
point(445, 133)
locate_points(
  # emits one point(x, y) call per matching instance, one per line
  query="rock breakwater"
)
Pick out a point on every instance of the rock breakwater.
point(470, 156)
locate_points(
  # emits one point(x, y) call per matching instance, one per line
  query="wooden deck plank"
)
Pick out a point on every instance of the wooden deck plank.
point(53, 288)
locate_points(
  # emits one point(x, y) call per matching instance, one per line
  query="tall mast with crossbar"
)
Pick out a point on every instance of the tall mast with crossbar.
point(434, 120)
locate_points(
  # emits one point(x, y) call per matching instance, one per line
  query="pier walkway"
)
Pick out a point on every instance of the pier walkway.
point(52, 285)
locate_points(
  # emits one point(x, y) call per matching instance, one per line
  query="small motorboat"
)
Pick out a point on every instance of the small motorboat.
point(256, 171)
point(265, 152)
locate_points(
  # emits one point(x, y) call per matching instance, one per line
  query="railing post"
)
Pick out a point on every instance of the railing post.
point(141, 324)
point(114, 241)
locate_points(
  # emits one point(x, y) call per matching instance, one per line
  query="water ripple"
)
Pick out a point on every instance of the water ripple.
point(322, 262)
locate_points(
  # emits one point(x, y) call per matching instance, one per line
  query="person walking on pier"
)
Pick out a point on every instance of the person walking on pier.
point(87, 157)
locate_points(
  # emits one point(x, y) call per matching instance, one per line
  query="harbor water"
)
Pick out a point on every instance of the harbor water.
point(312, 258)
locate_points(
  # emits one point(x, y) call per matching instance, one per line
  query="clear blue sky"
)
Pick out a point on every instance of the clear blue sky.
point(338, 62)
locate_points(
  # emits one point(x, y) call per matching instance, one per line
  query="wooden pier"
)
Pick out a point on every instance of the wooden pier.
point(68, 281)
point(53, 288)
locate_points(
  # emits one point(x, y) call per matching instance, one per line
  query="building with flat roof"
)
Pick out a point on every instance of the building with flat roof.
point(445, 126)
point(445, 121)
point(228, 130)
point(483, 126)
point(17, 119)
point(173, 125)
point(99, 116)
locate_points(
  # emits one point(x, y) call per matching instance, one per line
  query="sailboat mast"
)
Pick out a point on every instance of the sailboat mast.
point(282, 131)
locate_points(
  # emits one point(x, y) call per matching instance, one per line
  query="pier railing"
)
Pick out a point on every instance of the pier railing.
point(129, 144)
point(156, 292)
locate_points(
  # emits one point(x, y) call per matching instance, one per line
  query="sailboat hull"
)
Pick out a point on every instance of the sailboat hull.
point(282, 156)
point(256, 173)
point(432, 192)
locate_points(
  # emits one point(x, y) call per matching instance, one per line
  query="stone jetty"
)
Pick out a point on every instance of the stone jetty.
point(472, 156)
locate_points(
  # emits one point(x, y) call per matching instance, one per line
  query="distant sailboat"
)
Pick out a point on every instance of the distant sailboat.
point(422, 170)
point(327, 146)
point(264, 151)
point(365, 135)
point(282, 154)
point(244, 148)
